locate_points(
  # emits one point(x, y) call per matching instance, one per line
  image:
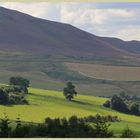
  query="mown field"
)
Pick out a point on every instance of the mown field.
point(107, 72)
point(48, 103)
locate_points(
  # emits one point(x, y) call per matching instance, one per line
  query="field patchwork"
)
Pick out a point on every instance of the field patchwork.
point(106, 72)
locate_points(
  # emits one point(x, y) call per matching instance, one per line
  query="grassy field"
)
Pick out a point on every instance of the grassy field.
point(107, 72)
point(118, 127)
point(47, 103)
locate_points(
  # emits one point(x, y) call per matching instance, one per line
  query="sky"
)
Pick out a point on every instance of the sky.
point(121, 20)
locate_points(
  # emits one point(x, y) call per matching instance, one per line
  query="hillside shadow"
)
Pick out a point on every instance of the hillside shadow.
point(48, 97)
point(7, 105)
point(80, 102)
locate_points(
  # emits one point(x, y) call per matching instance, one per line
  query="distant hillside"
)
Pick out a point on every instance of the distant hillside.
point(23, 33)
point(130, 46)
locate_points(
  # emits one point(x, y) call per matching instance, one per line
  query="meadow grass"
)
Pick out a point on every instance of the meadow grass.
point(118, 127)
point(49, 103)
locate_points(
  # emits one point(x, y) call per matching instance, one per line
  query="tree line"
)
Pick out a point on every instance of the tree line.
point(17, 89)
point(16, 92)
point(124, 103)
point(73, 127)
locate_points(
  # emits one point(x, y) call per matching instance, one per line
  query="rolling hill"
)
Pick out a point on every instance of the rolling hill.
point(23, 33)
point(49, 103)
point(37, 49)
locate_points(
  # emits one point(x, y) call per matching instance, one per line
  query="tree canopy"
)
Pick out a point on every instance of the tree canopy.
point(15, 92)
point(118, 104)
point(124, 103)
point(69, 91)
point(21, 82)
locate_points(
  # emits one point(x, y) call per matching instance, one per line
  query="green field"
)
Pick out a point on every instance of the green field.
point(47, 103)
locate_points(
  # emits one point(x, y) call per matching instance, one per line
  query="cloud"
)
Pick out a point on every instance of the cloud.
point(129, 33)
point(100, 19)
point(41, 9)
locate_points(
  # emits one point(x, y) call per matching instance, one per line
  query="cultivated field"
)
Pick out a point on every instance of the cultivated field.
point(47, 103)
point(49, 73)
point(115, 73)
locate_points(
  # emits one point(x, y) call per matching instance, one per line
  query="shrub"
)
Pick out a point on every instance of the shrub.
point(107, 104)
point(134, 109)
point(127, 133)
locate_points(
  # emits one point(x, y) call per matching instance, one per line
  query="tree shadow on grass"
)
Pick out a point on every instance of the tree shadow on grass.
point(80, 102)
point(7, 105)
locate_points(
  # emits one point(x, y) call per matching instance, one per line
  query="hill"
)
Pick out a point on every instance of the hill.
point(107, 72)
point(48, 103)
point(23, 33)
point(37, 49)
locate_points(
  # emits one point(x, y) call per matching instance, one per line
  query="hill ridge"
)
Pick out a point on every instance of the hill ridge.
point(22, 32)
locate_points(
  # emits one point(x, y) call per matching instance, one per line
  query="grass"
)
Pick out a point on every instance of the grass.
point(49, 103)
point(45, 103)
point(118, 127)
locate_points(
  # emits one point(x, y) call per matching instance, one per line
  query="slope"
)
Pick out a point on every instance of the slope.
point(47, 103)
point(130, 46)
point(21, 32)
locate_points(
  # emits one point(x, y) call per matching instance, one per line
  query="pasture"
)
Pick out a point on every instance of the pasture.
point(49, 103)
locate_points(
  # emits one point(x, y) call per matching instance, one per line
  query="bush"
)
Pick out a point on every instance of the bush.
point(3, 97)
point(5, 129)
point(20, 82)
point(127, 133)
point(107, 104)
point(118, 104)
point(134, 109)
point(101, 130)
point(10, 95)
point(123, 103)
point(98, 117)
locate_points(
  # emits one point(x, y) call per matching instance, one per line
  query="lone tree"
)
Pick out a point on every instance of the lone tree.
point(20, 82)
point(69, 91)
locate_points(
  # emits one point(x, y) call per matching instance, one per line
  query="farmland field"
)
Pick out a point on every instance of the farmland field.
point(49, 103)
point(51, 73)
point(107, 72)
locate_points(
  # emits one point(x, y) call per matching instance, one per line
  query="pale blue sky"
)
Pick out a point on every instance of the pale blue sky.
point(120, 20)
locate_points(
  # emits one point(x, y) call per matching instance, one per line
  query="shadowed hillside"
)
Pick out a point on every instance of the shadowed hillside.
point(21, 32)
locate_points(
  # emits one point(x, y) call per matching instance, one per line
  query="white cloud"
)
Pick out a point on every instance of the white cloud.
point(129, 33)
point(41, 9)
point(118, 22)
